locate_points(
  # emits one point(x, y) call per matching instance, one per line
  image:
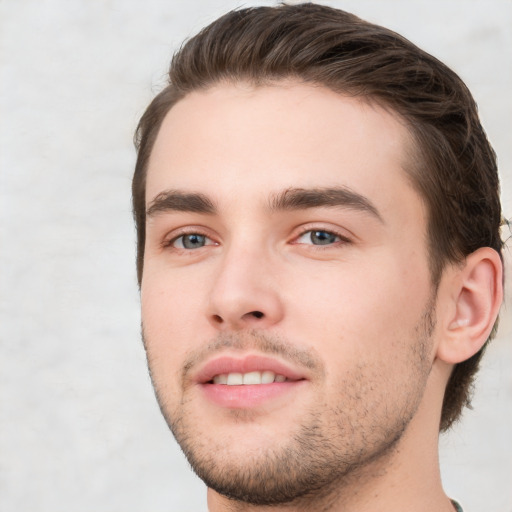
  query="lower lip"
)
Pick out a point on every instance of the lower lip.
point(247, 396)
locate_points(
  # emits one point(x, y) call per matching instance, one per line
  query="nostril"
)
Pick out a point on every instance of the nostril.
point(257, 314)
point(217, 319)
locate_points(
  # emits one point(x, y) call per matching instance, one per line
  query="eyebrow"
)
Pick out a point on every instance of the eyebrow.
point(175, 200)
point(289, 199)
point(300, 198)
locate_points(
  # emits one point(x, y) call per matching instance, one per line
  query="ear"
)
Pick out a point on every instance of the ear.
point(475, 291)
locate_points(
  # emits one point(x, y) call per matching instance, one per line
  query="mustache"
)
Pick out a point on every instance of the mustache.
point(265, 343)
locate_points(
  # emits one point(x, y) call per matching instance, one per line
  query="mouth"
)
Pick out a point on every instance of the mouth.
point(255, 378)
point(241, 383)
point(252, 369)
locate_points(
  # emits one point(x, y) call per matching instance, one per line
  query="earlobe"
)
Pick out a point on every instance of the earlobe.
point(477, 293)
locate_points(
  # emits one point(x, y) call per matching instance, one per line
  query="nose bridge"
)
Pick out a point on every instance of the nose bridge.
point(244, 293)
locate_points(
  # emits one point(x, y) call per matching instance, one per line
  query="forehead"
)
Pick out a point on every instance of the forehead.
point(236, 139)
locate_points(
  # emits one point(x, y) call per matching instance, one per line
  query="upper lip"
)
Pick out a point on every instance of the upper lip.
point(250, 363)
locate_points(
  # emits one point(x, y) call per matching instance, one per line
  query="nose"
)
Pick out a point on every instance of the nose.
point(245, 294)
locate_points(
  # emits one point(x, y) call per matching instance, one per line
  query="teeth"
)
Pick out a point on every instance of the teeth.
point(238, 379)
point(267, 377)
point(220, 379)
point(252, 378)
point(235, 379)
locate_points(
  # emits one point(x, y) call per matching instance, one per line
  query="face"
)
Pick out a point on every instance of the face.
point(286, 297)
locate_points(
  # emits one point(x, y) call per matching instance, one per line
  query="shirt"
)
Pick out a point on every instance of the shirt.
point(457, 507)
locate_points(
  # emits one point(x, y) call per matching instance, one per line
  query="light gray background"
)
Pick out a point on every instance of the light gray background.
point(79, 427)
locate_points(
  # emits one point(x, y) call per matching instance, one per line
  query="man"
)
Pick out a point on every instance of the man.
point(319, 260)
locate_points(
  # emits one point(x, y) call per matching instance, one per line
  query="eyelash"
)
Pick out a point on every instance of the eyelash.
point(342, 239)
point(169, 243)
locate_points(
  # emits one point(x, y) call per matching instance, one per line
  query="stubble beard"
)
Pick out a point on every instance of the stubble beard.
point(328, 450)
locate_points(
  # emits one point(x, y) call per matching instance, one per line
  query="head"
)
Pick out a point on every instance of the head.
point(454, 166)
point(446, 158)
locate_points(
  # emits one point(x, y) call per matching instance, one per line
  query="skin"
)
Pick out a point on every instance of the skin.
point(357, 318)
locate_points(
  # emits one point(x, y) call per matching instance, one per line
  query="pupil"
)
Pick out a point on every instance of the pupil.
point(322, 238)
point(193, 241)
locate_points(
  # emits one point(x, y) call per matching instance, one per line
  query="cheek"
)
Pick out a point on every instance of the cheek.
point(362, 311)
point(168, 326)
point(171, 300)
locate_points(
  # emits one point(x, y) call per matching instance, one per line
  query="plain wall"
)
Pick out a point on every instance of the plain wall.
point(79, 426)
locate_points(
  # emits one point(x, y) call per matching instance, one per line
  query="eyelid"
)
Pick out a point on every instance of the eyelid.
point(341, 234)
point(175, 234)
point(175, 241)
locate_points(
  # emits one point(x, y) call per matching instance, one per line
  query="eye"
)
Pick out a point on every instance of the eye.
point(318, 237)
point(191, 241)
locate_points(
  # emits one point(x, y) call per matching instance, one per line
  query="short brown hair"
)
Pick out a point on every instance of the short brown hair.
point(454, 167)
